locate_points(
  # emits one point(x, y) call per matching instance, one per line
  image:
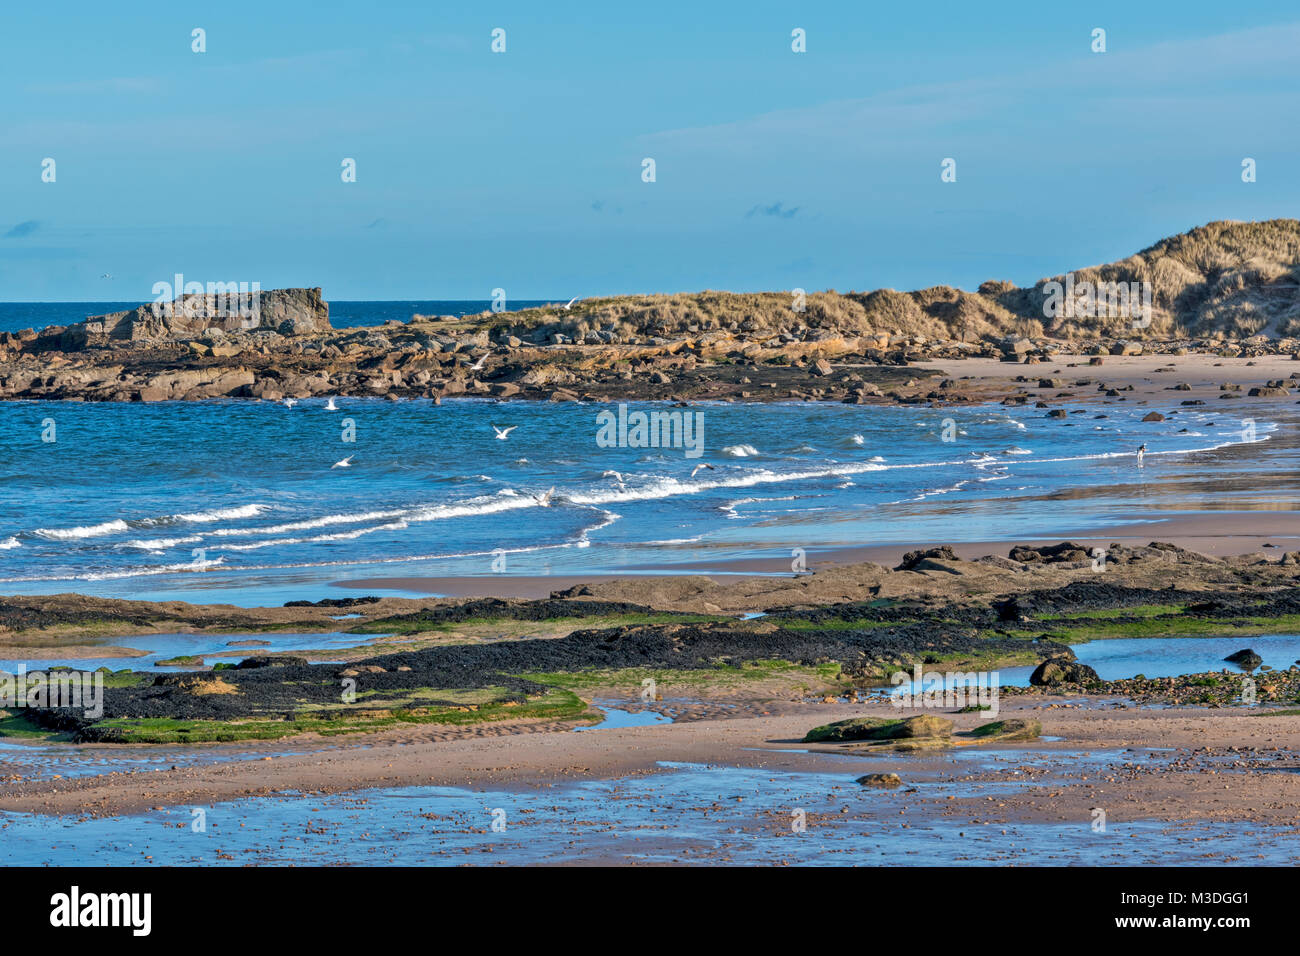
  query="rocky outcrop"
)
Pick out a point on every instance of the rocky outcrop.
point(854, 348)
point(880, 728)
point(284, 311)
point(1066, 552)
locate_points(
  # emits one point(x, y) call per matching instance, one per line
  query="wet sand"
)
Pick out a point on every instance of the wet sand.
point(1221, 535)
point(1212, 765)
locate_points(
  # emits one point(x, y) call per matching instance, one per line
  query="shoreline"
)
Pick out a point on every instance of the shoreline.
point(1223, 535)
point(531, 757)
point(755, 723)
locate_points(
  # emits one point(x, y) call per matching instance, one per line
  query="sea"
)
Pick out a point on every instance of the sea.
point(256, 502)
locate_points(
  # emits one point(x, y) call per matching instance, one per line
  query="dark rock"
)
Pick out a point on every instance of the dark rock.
point(1058, 670)
point(914, 558)
point(266, 661)
point(1245, 658)
point(886, 781)
point(334, 602)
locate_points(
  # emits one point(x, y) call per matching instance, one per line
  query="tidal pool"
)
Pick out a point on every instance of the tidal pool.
point(1123, 658)
point(617, 718)
point(162, 647)
point(689, 813)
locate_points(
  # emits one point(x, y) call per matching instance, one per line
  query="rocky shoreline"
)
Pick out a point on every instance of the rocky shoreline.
point(484, 357)
point(854, 347)
point(437, 664)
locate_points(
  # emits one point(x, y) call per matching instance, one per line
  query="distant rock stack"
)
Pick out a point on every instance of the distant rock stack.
point(286, 311)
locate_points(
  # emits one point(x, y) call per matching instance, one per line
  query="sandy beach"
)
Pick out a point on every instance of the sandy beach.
point(1211, 766)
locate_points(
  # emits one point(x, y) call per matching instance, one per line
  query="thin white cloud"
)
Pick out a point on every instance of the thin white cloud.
point(1192, 72)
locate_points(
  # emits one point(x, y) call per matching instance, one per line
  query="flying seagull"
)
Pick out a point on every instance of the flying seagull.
point(570, 303)
point(330, 406)
point(345, 463)
point(544, 499)
point(478, 366)
point(290, 402)
point(615, 475)
point(700, 467)
point(503, 432)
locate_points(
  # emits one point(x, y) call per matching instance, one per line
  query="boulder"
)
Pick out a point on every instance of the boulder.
point(879, 728)
point(855, 728)
point(882, 781)
point(1060, 670)
point(1010, 729)
point(1063, 553)
point(1245, 658)
point(913, 559)
point(923, 725)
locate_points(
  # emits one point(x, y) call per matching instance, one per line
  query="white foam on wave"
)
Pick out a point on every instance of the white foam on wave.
point(731, 506)
point(1001, 420)
point(668, 487)
point(84, 531)
point(118, 525)
point(222, 514)
point(315, 539)
point(187, 566)
point(505, 500)
point(578, 541)
point(9, 543)
point(958, 486)
point(161, 544)
point(740, 451)
point(308, 524)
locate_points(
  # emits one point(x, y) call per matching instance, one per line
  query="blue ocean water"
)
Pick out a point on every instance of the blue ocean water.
point(239, 501)
point(38, 315)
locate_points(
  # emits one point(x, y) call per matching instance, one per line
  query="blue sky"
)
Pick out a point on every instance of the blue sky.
point(522, 170)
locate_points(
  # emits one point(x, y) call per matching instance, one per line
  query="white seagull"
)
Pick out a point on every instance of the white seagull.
point(544, 499)
point(290, 402)
point(345, 463)
point(330, 406)
point(503, 433)
point(570, 303)
point(700, 467)
point(478, 366)
point(616, 476)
